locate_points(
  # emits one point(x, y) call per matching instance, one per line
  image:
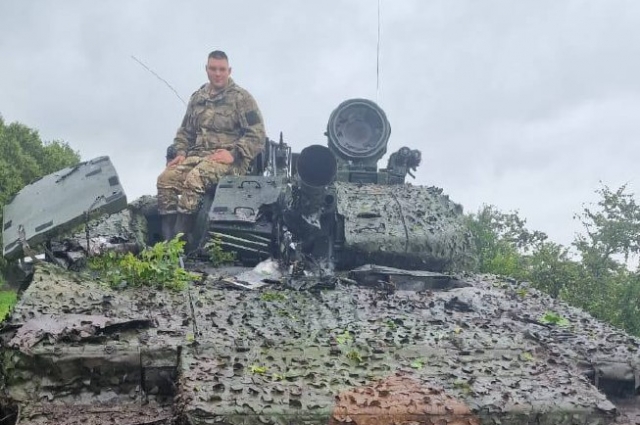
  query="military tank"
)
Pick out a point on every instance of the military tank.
point(328, 203)
point(331, 338)
point(333, 204)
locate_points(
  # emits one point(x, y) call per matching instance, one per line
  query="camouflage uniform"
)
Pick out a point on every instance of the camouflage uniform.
point(229, 119)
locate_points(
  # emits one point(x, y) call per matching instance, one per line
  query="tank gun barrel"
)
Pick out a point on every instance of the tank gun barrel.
point(316, 169)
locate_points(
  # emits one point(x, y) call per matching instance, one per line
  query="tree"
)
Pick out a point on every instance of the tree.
point(612, 229)
point(551, 269)
point(501, 240)
point(609, 290)
point(24, 158)
point(597, 280)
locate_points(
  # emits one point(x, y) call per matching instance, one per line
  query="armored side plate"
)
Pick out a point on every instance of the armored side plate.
point(242, 215)
point(58, 202)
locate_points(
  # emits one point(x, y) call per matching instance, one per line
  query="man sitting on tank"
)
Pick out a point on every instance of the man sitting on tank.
point(222, 131)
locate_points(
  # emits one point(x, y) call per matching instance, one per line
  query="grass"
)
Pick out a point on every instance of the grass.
point(7, 301)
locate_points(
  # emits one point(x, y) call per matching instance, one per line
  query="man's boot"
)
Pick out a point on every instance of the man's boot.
point(168, 223)
point(184, 224)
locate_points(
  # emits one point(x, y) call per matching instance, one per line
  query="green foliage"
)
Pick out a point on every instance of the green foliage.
point(158, 267)
point(259, 370)
point(7, 301)
point(417, 364)
point(217, 255)
point(391, 324)
point(506, 261)
point(346, 342)
point(284, 313)
point(611, 229)
point(344, 338)
point(596, 278)
point(463, 386)
point(553, 318)
point(606, 287)
point(500, 240)
point(273, 296)
point(552, 269)
point(354, 355)
point(526, 357)
point(522, 292)
point(24, 158)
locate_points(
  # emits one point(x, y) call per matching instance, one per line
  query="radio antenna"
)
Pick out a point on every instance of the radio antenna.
point(159, 78)
point(378, 57)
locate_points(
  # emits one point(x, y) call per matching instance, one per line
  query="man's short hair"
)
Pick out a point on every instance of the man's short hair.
point(218, 54)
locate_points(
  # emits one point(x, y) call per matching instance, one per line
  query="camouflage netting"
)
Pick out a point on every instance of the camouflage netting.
point(124, 231)
point(407, 226)
point(76, 351)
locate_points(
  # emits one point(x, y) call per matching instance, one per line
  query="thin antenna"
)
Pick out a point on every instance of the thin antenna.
point(159, 78)
point(378, 57)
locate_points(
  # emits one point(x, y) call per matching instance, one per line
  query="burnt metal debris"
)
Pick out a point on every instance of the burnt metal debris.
point(347, 318)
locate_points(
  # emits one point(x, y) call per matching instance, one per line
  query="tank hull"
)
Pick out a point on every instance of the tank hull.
point(74, 350)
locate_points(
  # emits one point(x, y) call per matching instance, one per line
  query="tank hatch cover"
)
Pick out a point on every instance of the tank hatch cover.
point(58, 202)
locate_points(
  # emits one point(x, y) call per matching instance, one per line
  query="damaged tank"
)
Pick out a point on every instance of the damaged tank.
point(354, 323)
point(333, 204)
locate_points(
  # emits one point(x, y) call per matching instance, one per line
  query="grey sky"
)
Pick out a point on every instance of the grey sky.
point(525, 105)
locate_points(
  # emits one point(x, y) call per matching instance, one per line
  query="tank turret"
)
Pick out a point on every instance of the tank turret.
point(345, 210)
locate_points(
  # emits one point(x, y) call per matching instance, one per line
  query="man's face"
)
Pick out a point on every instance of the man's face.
point(218, 71)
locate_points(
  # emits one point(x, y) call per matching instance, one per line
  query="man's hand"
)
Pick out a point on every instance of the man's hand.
point(176, 161)
point(221, 156)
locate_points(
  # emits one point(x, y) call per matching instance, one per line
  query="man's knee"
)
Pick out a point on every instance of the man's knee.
point(169, 178)
point(161, 182)
point(204, 176)
point(211, 173)
point(189, 202)
point(193, 182)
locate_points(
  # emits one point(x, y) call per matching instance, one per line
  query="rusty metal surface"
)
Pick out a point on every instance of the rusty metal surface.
point(276, 355)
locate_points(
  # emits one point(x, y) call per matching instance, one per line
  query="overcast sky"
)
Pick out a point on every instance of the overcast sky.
point(526, 105)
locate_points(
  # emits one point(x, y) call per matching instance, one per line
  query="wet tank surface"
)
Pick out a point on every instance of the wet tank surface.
point(76, 351)
point(381, 337)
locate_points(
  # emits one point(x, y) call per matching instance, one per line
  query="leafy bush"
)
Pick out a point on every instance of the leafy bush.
point(501, 239)
point(553, 318)
point(217, 255)
point(7, 301)
point(158, 267)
